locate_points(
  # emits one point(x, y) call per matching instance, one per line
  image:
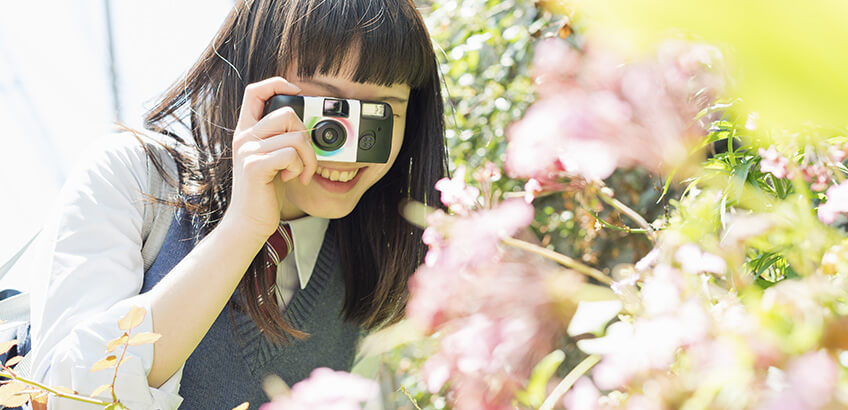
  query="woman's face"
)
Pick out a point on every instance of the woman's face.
point(328, 195)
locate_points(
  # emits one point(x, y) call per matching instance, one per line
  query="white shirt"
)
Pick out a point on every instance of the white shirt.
point(89, 273)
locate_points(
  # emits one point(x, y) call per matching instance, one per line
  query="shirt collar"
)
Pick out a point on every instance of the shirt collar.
point(308, 237)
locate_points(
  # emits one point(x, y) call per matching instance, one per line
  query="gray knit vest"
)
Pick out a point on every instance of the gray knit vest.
point(228, 366)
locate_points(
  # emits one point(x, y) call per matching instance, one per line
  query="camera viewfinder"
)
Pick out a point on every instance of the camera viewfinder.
point(335, 108)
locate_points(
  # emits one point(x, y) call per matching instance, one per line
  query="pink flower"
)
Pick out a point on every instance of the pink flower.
point(811, 383)
point(691, 71)
point(462, 249)
point(836, 154)
point(661, 293)
point(596, 115)
point(531, 189)
point(648, 343)
point(693, 260)
point(575, 134)
point(582, 396)
point(329, 390)
point(487, 359)
point(456, 195)
point(837, 202)
point(555, 61)
point(435, 241)
point(773, 162)
point(534, 140)
point(474, 239)
point(488, 173)
point(818, 174)
point(813, 376)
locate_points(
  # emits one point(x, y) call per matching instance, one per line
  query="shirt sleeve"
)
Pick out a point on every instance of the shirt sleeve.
point(92, 276)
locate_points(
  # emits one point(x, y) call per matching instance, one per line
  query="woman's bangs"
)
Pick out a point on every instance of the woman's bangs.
point(392, 43)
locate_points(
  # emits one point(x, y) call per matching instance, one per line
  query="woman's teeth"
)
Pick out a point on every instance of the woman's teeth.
point(336, 175)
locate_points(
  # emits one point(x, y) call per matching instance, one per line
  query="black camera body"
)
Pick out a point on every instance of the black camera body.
point(342, 130)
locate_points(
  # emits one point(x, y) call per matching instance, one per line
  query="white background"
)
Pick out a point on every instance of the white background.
point(56, 93)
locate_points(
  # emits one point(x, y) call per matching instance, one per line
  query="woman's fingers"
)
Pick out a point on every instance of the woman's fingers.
point(298, 140)
point(294, 169)
point(255, 95)
point(285, 161)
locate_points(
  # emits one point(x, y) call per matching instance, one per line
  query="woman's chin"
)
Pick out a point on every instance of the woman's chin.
point(328, 208)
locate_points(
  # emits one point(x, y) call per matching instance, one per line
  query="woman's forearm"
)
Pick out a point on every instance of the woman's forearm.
point(189, 299)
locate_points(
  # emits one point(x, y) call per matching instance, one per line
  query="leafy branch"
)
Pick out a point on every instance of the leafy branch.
point(18, 390)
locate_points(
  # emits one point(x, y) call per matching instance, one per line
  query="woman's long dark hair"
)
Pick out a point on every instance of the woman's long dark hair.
point(259, 39)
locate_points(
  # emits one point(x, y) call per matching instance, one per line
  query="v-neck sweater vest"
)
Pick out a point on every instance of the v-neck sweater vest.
point(228, 366)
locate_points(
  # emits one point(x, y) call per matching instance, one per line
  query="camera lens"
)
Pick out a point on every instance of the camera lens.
point(329, 135)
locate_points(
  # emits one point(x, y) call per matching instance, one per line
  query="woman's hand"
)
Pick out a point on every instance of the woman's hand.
point(262, 149)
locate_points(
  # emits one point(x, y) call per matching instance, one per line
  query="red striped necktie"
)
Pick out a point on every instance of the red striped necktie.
point(279, 245)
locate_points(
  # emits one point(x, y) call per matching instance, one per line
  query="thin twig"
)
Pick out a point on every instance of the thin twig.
point(62, 395)
point(606, 195)
point(117, 364)
point(559, 258)
point(617, 228)
point(409, 396)
point(569, 381)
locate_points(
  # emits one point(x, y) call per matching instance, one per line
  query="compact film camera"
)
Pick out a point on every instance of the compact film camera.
point(342, 130)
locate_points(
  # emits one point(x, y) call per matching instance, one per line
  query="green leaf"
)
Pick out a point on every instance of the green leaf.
point(534, 395)
point(740, 172)
point(666, 185)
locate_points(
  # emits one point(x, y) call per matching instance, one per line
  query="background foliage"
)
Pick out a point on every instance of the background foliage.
point(487, 50)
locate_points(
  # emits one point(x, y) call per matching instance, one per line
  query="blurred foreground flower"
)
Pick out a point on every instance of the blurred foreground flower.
point(596, 114)
point(788, 57)
point(837, 202)
point(327, 389)
point(496, 314)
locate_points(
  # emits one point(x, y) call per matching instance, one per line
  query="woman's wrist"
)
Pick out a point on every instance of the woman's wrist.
point(241, 234)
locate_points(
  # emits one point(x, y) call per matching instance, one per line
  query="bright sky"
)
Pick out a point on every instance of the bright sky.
point(56, 90)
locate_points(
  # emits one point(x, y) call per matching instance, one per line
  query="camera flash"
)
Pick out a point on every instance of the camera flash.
point(373, 110)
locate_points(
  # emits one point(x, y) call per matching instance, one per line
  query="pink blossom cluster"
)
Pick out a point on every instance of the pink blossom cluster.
point(684, 333)
point(493, 312)
point(327, 389)
point(669, 320)
point(810, 383)
point(774, 163)
point(458, 242)
point(837, 203)
point(819, 162)
point(596, 114)
point(816, 167)
point(455, 194)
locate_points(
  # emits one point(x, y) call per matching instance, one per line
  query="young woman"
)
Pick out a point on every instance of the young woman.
point(226, 317)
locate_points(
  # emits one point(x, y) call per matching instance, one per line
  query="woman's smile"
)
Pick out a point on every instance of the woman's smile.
point(337, 180)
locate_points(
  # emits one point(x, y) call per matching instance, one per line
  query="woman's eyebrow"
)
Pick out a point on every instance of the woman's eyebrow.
point(329, 87)
point(397, 100)
point(337, 91)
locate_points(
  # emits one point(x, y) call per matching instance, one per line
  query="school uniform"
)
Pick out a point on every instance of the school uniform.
point(102, 260)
